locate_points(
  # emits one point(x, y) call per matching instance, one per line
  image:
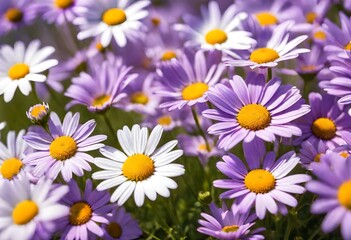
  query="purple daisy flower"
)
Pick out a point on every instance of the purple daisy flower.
point(122, 226)
point(195, 146)
point(326, 121)
point(29, 211)
point(246, 110)
point(264, 184)
point(15, 14)
point(229, 224)
point(86, 211)
point(58, 11)
point(102, 87)
point(277, 49)
point(311, 152)
point(63, 148)
point(187, 80)
point(333, 185)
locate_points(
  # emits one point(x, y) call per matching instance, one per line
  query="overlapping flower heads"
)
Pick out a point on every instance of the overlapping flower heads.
point(175, 108)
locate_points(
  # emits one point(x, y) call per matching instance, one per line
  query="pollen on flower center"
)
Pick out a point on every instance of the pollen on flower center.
point(203, 147)
point(63, 148)
point(194, 91)
point(24, 212)
point(264, 55)
point(320, 35)
point(63, 4)
point(232, 228)
point(344, 154)
point(317, 158)
point(38, 110)
point(18, 71)
point(114, 230)
point(168, 55)
point(260, 181)
point(155, 21)
point(324, 128)
point(11, 167)
point(266, 18)
point(139, 98)
point(216, 36)
point(344, 195)
point(348, 46)
point(114, 16)
point(311, 17)
point(254, 117)
point(164, 120)
point(14, 15)
point(80, 213)
point(308, 68)
point(138, 167)
point(101, 100)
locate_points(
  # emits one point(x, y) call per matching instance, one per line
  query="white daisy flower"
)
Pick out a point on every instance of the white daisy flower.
point(26, 208)
point(20, 65)
point(217, 31)
point(111, 18)
point(140, 169)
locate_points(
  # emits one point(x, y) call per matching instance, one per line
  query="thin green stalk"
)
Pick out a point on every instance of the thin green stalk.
point(35, 94)
point(109, 125)
point(193, 111)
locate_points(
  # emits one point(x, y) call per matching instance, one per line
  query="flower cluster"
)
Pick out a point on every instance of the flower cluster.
point(144, 116)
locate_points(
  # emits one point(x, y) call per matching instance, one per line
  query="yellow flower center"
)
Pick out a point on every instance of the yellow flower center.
point(38, 110)
point(99, 47)
point(114, 230)
point(264, 55)
point(24, 212)
point(18, 71)
point(317, 158)
point(344, 154)
point(155, 21)
point(266, 18)
point(14, 15)
point(63, 4)
point(63, 148)
point(344, 194)
point(259, 181)
point(202, 147)
point(320, 35)
point(308, 68)
point(80, 213)
point(254, 117)
point(114, 16)
point(232, 228)
point(164, 120)
point(324, 128)
point(101, 100)
point(216, 36)
point(138, 167)
point(11, 167)
point(311, 17)
point(168, 55)
point(139, 98)
point(194, 91)
point(348, 46)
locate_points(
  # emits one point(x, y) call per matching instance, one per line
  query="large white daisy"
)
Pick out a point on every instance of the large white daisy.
point(140, 169)
point(111, 18)
point(20, 65)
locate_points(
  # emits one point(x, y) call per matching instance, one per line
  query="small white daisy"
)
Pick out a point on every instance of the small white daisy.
point(140, 169)
point(20, 65)
point(217, 31)
point(11, 156)
point(28, 210)
point(277, 49)
point(111, 18)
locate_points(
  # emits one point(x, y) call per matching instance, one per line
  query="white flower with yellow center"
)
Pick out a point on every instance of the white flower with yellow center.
point(111, 18)
point(26, 207)
point(11, 156)
point(140, 169)
point(217, 31)
point(20, 65)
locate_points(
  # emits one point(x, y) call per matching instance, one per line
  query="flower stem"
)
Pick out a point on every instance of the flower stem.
point(193, 111)
point(35, 94)
point(109, 125)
